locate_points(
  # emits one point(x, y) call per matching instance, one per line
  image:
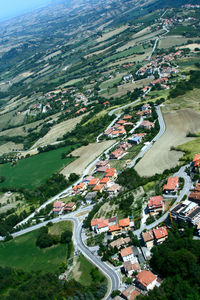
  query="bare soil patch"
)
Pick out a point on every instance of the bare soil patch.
point(9, 147)
point(112, 33)
point(159, 157)
point(86, 155)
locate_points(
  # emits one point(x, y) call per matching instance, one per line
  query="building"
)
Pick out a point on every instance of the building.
point(171, 186)
point(147, 124)
point(114, 189)
point(156, 204)
point(146, 280)
point(70, 206)
point(148, 239)
point(102, 226)
point(136, 138)
point(90, 197)
point(79, 187)
point(160, 234)
point(186, 211)
point(130, 268)
point(130, 293)
point(95, 222)
point(124, 224)
point(98, 188)
point(114, 229)
point(120, 242)
point(93, 182)
point(58, 206)
point(128, 255)
point(195, 197)
point(117, 154)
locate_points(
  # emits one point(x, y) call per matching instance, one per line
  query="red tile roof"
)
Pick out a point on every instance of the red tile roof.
point(104, 180)
point(103, 224)
point(94, 181)
point(126, 251)
point(155, 202)
point(145, 277)
point(115, 227)
point(124, 222)
point(160, 232)
point(95, 222)
point(196, 160)
point(58, 204)
point(98, 187)
point(172, 183)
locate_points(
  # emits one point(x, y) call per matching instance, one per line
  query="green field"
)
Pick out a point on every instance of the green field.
point(22, 253)
point(85, 268)
point(190, 148)
point(33, 171)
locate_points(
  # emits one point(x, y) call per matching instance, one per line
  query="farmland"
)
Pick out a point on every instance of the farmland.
point(33, 171)
point(86, 155)
point(22, 253)
point(160, 157)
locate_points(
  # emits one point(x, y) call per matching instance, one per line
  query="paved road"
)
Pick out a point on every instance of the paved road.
point(109, 272)
point(184, 191)
point(147, 147)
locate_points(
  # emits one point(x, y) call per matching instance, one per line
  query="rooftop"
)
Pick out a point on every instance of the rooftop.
point(160, 232)
point(126, 251)
point(145, 277)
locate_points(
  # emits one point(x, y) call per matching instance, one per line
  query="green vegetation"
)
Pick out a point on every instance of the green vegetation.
point(33, 171)
point(22, 252)
point(177, 261)
point(190, 149)
point(93, 274)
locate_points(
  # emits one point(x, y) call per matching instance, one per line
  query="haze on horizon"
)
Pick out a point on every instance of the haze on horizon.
point(14, 8)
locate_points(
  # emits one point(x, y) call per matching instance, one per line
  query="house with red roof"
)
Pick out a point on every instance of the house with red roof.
point(130, 293)
point(93, 182)
point(147, 124)
point(124, 224)
point(128, 255)
point(171, 186)
point(98, 188)
point(70, 206)
point(196, 163)
point(114, 229)
point(160, 234)
point(130, 268)
point(156, 204)
point(117, 154)
point(79, 187)
point(148, 238)
point(102, 226)
point(58, 206)
point(114, 189)
point(146, 280)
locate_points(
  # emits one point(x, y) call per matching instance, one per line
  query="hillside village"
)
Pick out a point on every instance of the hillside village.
point(117, 88)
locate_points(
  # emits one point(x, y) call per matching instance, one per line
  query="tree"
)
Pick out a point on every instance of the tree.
point(115, 293)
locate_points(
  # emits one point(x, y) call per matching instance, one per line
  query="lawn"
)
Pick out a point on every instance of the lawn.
point(33, 171)
point(85, 269)
point(22, 253)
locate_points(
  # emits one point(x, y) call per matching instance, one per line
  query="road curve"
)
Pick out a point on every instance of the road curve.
point(108, 271)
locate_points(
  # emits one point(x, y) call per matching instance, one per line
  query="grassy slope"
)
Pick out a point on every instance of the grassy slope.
point(31, 172)
point(22, 253)
point(191, 148)
point(85, 268)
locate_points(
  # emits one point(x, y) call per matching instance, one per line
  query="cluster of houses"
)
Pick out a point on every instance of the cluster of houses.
point(155, 236)
point(120, 151)
point(112, 226)
point(59, 207)
point(118, 129)
point(93, 184)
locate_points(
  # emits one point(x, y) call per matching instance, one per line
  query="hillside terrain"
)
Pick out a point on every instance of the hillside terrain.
point(99, 108)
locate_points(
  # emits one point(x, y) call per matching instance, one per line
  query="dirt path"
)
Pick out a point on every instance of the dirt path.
point(159, 157)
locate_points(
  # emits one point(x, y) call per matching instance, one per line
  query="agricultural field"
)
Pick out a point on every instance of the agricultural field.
point(112, 33)
point(10, 200)
point(33, 171)
point(22, 252)
point(9, 147)
point(58, 131)
point(173, 40)
point(189, 100)
point(192, 47)
point(86, 155)
point(160, 157)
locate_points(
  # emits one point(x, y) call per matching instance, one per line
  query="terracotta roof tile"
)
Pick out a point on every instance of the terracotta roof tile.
point(145, 277)
point(160, 232)
point(127, 251)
